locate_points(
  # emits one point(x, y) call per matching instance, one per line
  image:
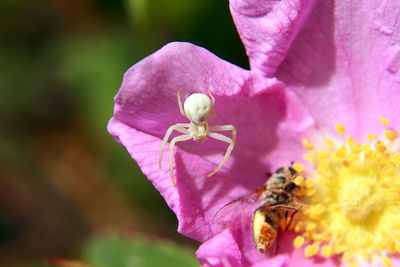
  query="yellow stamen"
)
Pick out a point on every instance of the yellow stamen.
point(299, 181)
point(298, 167)
point(379, 146)
point(309, 183)
point(341, 152)
point(350, 140)
point(340, 128)
point(351, 199)
point(356, 148)
point(298, 241)
point(386, 262)
point(390, 134)
point(385, 121)
point(347, 256)
point(396, 158)
point(311, 250)
point(326, 251)
point(310, 192)
point(308, 156)
point(307, 144)
point(315, 211)
point(311, 227)
point(329, 142)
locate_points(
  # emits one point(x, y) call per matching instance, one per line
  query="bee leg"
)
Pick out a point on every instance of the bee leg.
point(298, 205)
point(290, 220)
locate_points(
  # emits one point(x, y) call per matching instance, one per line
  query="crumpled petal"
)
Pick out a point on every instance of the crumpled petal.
point(344, 64)
point(236, 247)
point(267, 29)
point(223, 251)
point(220, 251)
point(276, 261)
point(261, 109)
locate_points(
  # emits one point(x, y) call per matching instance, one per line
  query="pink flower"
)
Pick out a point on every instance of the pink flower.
point(313, 64)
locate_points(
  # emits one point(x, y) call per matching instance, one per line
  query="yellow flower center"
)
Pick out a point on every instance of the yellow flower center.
point(352, 198)
point(357, 199)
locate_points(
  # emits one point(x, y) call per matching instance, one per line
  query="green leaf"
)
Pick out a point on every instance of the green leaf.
point(112, 251)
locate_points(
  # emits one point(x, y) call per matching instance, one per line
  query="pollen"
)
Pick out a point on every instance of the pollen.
point(352, 193)
point(386, 262)
point(390, 134)
point(340, 128)
point(298, 167)
point(326, 251)
point(307, 144)
point(311, 250)
point(384, 120)
point(298, 241)
point(299, 180)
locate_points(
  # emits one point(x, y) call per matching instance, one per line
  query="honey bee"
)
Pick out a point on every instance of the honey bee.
point(274, 206)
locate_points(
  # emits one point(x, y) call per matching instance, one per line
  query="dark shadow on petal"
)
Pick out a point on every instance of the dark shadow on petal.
point(311, 59)
point(257, 120)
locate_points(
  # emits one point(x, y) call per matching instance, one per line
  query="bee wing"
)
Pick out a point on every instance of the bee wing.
point(232, 212)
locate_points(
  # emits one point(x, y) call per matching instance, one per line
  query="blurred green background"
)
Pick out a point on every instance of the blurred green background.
point(67, 190)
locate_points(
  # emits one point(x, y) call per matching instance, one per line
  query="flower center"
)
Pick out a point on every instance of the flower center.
point(352, 198)
point(357, 199)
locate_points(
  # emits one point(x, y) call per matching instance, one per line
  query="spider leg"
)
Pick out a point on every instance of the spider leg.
point(181, 109)
point(174, 140)
point(211, 96)
point(212, 112)
point(180, 127)
point(225, 128)
point(223, 138)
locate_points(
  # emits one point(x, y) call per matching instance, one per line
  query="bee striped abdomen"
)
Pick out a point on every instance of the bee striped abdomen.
point(264, 230)
point(267, 238)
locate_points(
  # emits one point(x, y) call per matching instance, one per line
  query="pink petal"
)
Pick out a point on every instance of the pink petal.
point(344, 64)
point(277, 261)
point(296, 256)
point(269, 121)
point(236, 247)
point(267, 29)
point(221, 250)
point(395, 259)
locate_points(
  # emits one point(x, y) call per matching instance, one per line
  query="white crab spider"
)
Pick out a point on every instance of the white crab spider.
point(198, 108)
